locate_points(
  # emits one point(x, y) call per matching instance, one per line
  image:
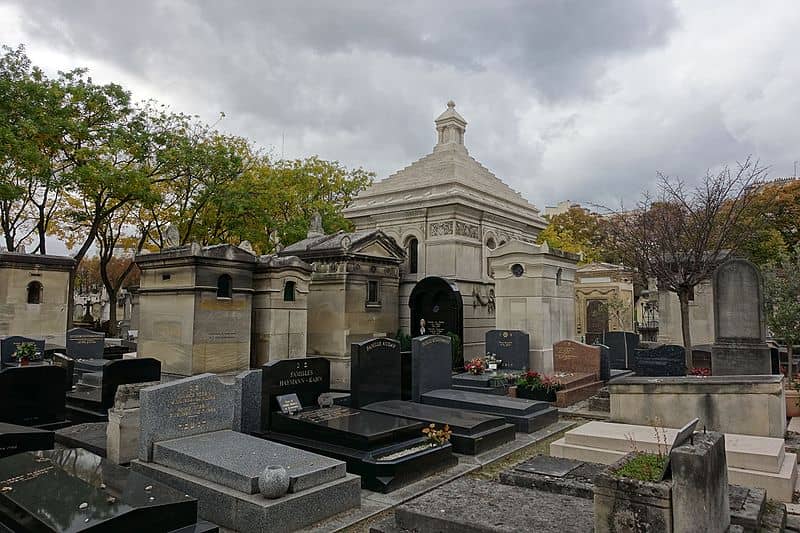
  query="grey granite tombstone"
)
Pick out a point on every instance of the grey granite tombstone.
point(9, 344)
point(431, 361)
point(511, 346)
point(739, 329)
point(375, 371)
point(186, 407)
point(85, 343)
point(250, 406)
point(605, 362)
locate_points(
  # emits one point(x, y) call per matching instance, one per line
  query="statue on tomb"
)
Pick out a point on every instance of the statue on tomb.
point(172, 237)
point(315, 228)
point(247, 247)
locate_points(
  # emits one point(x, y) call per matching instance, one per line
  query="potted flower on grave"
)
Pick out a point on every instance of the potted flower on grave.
point(476, 366)
point(782, 295)
point(25, 353)
point(535, 386)
point(437, 437)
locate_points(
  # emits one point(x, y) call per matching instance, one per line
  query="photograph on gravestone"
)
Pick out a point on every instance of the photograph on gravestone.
point(289, 404)
point(186, 407)
point(512, 347)
point(308, 377)
point(9, 345)
point(431, 362)
point(85, 344)
point(375, 371)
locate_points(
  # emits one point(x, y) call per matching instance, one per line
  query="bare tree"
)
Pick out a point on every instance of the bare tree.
point(682, 234)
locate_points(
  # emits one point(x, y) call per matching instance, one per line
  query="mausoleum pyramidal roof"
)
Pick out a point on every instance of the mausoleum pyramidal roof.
point(448, 175)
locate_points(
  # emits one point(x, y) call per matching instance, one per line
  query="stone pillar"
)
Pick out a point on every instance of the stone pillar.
point(700, 485)
point(534, 291)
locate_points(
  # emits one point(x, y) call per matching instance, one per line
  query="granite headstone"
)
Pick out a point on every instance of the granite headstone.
point(576, 357)
point(511, 346)
point(622, 345)
point(250, 406)
point(85, 343)
point(661, 361)
point(605, 362)
point(431, 362)
point(9, 344)
point(308, 377)
point(375, 371)
point(32, 395)
point(186, 407)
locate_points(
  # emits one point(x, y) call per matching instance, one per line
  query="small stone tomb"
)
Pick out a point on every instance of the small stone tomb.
point(16, 439)
point(661, 361)
point(85, 343)
point(431, 362)
point(94, 393)
point(577, 366)
point(622, 346)
point(375, 371)
point(511, 346)
point(75, 490)
point(189, 439)
point(9, 344)
point(32, 396)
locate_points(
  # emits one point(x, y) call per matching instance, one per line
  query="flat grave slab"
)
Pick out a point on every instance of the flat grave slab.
point(473, 432)
point(16, 439)
point(91, 436)
point(75, 490)
point(527, 415)
point(477, 380)
point(237, 460)
point(349, 427)
point(548, 466)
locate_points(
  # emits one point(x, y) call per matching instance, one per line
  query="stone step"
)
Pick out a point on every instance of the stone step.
point(764, 454)
point(499, 391)
point(574, 395)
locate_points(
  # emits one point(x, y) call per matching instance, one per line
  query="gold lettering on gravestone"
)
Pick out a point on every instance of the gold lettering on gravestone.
point(566, 352)
point(86, 339)
point(193, 407)
point(326, 414)
point(300, 377)
point(436, 327)
point(435, 340)
point(27, 476)
point(384, 343)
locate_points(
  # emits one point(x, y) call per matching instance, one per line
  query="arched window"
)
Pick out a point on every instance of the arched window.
point(288, 291)
point(413, 256)
point(34, 292)
point(224, 286)
point(558, 277)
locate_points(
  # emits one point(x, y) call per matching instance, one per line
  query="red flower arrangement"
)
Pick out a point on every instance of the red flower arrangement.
point(476, 366)
point(700, 371)
point(538, 386)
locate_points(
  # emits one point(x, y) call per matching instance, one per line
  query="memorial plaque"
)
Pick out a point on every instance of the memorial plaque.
point(661, 361)
point(549, 466)
point(511, 346)
point(289, 404)
point(431, 363)
point(9, 344)
point(375, 371)
point(85, 344)
point(308, 377)
point(32, 395)
point(186, 407)
point(575, 357)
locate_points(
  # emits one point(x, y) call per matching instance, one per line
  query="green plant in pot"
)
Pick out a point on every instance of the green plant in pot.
point(25, 353)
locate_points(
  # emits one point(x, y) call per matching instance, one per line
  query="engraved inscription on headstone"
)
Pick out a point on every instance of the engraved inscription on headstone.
point(375, 371)
point(308, 377)
point(512, 347)
point(289, 404)
point(575, 357)
point(431, 363)
point(85, 344)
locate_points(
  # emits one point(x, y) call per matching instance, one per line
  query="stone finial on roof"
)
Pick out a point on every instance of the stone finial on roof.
point(315, 227)
point(450, 127)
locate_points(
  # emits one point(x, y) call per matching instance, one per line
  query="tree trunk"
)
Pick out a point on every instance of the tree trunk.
point(789, 365)
point(113, 330)
point(683, 297)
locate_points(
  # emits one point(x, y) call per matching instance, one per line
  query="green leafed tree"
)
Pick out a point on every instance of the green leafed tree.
point(782, 298)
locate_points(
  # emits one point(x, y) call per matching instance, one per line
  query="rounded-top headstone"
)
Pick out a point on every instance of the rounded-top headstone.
point(738, 302)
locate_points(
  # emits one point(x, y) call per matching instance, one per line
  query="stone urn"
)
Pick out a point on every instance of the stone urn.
point(273, 482)
point(792, 400)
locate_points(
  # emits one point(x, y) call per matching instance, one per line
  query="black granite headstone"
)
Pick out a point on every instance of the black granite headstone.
point(75, 490)
point(431, 360)
point(308, 377)
point(622, 345)
point(85, 343)
point(375, 371)
point(9, 344)
point(605, 362)
point(16, 439)
point(32, 395)
point(511, 346)
point(661, 361)
point(68, 364)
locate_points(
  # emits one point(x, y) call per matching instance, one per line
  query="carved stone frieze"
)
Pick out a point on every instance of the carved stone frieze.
point(441, 228)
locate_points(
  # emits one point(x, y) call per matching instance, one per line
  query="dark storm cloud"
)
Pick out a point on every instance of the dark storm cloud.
point(565, 99)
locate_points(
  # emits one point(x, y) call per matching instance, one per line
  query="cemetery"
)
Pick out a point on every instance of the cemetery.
point(431, 365)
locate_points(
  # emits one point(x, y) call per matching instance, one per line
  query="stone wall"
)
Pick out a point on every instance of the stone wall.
point(748, 405)
point(701, 316)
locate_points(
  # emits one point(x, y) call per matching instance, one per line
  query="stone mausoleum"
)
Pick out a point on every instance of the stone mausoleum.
point(448, 213)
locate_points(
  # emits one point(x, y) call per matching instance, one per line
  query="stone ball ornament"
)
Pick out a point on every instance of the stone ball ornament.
point(273, 482)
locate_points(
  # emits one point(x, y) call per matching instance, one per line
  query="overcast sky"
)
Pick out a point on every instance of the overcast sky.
point(580, 100)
